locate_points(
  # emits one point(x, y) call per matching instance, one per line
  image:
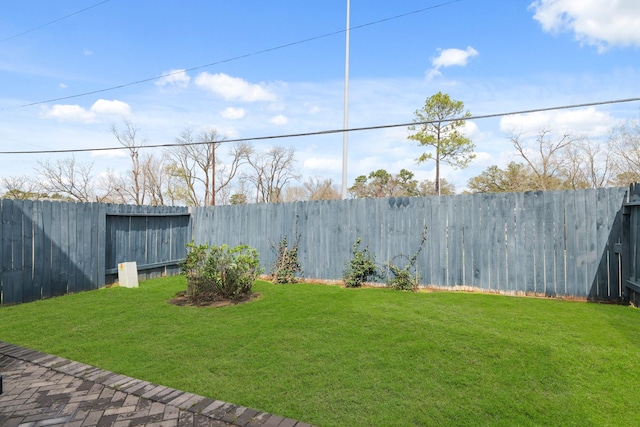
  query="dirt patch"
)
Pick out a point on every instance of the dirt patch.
point(182, 300)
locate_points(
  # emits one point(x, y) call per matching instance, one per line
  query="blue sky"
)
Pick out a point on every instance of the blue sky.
point(494, 55)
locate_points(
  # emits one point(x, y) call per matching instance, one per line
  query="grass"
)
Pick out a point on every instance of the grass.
point(368, 357)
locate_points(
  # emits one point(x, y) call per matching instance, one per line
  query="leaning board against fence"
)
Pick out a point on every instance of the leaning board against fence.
point(554, 243)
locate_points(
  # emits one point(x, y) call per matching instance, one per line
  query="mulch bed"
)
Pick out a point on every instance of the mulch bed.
point(181, 299)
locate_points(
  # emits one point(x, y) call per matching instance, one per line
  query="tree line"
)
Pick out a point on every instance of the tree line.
point(194, 173)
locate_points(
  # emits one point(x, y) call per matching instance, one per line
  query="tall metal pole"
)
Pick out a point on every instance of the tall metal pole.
point(345, 135)
point(213, 172)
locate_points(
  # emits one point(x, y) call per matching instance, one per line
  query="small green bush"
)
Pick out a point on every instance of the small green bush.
point(360, 268)
point(401, 278)
point(287, 265)
point(220, 272)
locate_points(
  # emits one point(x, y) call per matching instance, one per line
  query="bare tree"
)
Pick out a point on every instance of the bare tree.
point(588, 165)
point(270, 172)
point(128, 137)
point(21, 187)
point(226, 172)
point(295, 193)
point(184, 167)
point(321, 189)
point(110, 185)
point(624, 141)
point(546, 159)
point(67, 178)
point(195, 164)
point(313, 189)
point(156, 179)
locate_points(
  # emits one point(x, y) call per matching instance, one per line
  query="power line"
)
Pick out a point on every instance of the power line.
point(52, 22)
point(332, 131)
point(223, 61)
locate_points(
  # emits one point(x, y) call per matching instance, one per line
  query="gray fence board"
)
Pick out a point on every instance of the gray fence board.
point(615, 237)
point(38, 250)
point(465, 208)
point(572, 204)
point(29, 290)
point(47, 262)
point(500, 218)
point(592, 245)
point(517, 277)
point(486, 241)
point(6, 250)
point(547, 212)
point(603, 221)
point(17, 251)
point(73, 253)
point(475, 237)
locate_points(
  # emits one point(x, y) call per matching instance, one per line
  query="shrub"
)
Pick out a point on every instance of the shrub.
point(287, 264)
point(220, 272)
point(360, 268)
point(401, 278)
point(193, 268)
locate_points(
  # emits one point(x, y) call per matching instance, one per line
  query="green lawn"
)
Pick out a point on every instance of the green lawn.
point(358, 357)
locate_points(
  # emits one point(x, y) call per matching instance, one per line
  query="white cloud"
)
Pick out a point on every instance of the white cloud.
point(114, 107)
point(600, 23)
point(233, 113)
point(471, 130)
point(233, 88)
point(62, 86)
point(586, 121)
point(73, 113)
point(449, 58)
point(323, 164)
point(279, 120)
point(177, 78)
point(87, 52)
point(76, 113)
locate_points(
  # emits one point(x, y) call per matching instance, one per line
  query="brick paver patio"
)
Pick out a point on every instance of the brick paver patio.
point(41, 390)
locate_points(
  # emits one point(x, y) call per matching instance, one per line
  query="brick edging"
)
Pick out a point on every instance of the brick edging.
point(214, 409)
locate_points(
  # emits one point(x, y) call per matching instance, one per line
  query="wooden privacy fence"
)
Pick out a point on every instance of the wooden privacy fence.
point(577, 244)
point(555, 243)
point(53, 248)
